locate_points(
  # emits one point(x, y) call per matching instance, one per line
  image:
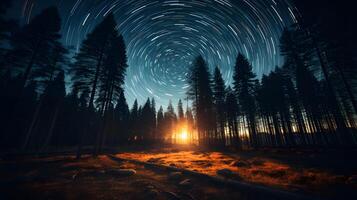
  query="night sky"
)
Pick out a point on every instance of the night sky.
point(163, 37)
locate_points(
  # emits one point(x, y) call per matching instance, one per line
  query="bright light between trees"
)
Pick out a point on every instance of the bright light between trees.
point(184, 135)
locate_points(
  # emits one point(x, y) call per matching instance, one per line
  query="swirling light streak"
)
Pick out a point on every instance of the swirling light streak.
point(163, 37)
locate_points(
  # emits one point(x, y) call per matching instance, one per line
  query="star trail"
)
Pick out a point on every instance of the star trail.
point(163, 37)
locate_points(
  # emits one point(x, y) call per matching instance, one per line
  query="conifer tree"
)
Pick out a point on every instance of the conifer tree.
point(244, 80)
point(219, 94)
point(200, 92)
point(34, 44)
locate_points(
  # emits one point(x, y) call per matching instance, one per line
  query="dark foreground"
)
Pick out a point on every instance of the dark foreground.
point(63, 177)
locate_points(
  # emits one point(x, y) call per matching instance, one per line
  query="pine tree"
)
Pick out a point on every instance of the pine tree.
point(190, 123)
point(146, 121)
point(170, 119)
point(200, 93)
point(274, 104)
point(297, 48)
point(113, 74)
point(33, 44)
point(84, 114)
point(219, 94)
point(6, 27)
point(153, 120)
point(110, 81)
point(68, 130)
point(121, 116)
point(232, 111)
point(4, 24)
point(54, 96)
point(181, 114)
point(100, 65)
point(244, 80)
point(134, 120)
point(335, 49)
point(160, 130)
point(92, 56)
point(9, 87)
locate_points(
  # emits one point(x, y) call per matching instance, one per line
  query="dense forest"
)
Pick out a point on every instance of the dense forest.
point(308, 102)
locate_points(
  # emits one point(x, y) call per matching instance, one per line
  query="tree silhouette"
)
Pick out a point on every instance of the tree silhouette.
point(4, 24)
point(180, 112)
point(201, 93)
point(335, 48)
point(219, 95)
point(297, 48)
point(190, 123)
point(244, 80)
point(170, 119)
point(160, 130)
point(6, 28)
point(54, 96)
point(90, 60)
point(110, 81)
point(100, 65)
point(153, 120)
point(34, 43)
point(37, 53)
point(121, 122)
point(308, 102)
point(232, 110)
point(146, 121)
point(134, 120)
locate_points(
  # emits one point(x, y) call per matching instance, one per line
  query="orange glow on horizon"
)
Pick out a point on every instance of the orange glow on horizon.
point(183, 135)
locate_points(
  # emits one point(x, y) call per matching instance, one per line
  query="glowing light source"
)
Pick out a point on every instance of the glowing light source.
point(183, 135)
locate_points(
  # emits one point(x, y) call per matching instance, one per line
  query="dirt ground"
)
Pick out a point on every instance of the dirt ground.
point(63, 177)
point(320, 173)
point(92, 178)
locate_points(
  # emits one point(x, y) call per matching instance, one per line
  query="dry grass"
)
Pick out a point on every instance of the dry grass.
point(45, 179)
point(255, 169)
point(64, 177)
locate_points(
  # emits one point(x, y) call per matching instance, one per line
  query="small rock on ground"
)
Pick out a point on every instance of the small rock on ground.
point(239, 164)
point(224, 172)
point(151, 192)
point(186, 183)
point(257, 162)
point(175, 176)
point(122, 172)
point(153, 160)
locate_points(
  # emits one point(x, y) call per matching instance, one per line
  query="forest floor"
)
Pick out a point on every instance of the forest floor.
point(319, 172)
point(324, 174)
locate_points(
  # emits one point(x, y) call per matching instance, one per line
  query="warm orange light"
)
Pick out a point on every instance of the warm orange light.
point(183, 135)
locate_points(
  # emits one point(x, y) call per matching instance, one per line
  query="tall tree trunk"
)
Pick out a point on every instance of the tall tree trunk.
point(30, 65)
point(32, 124)
point(98, 135)
point(348, 89)
point(341, 125)
point(271, 132)
point(222, 133)
point(91, 103)
point(95, 81)
point(108, 102)
point(50, 132)
point(81, 135)
point(277, 131)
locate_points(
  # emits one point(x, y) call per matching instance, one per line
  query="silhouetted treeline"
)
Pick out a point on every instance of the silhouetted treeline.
point(38, 113)
point(307, 102)
point(36, 110)
point(49, 100)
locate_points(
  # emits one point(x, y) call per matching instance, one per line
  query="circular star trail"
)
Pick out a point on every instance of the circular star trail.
point(163, 37)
